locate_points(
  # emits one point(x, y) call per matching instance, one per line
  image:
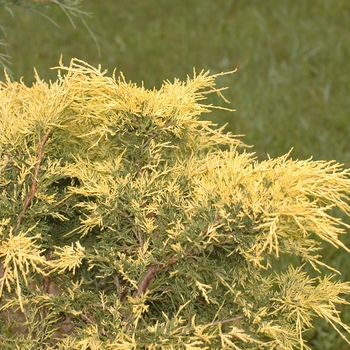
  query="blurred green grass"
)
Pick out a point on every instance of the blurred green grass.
point(291, 88)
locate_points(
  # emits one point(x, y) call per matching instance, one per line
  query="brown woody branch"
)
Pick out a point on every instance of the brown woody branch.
point(151, 271)
point(35, 179)
point(147, 279)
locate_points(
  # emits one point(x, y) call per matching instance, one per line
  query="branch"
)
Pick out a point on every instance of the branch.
point(28, 200)
point(151, 271)
point(2, 274)
point(35, 180)
point(216, 323)
point(144, 145)
point(228, 320)
point(147, 279)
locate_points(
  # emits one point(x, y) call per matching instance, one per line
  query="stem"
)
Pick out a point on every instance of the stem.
point(2, 274)
point(216, 323)
point(147, 279)
point(151, 271)
point(35, 180)
point(228, 320)
point(46, 285)
point(155, 134)
point(29, 198)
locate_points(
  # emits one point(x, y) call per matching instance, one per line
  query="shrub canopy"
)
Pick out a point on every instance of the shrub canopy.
point(127, 222)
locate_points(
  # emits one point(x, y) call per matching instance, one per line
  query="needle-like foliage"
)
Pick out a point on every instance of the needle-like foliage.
point(126, 222)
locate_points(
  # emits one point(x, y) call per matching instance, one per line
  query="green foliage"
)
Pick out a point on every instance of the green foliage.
point(128, 222)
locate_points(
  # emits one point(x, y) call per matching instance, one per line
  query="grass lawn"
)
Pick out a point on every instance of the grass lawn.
point(291, 88)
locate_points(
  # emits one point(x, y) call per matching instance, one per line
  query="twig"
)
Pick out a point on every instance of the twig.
point(46, 285)
point(147, 279)
point(138, 235)
point(228, 320)
point(144, 145)
point(2, 274)
point(151, 271)
point(35, 180)
point(126, 216)
point(87, 319)
point(138, 168)
point(216, 323)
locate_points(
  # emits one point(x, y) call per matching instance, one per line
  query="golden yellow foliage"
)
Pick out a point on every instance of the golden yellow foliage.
point(126, 222)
